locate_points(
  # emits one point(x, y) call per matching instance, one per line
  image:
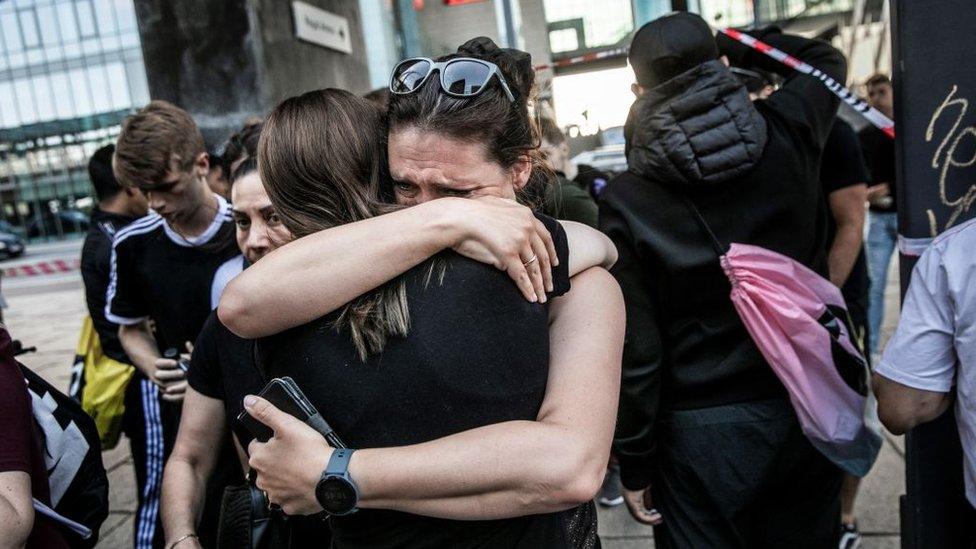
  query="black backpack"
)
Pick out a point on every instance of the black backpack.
point(73, 458)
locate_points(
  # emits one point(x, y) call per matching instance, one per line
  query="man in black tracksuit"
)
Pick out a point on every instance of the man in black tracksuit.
point(704, 424)
point(117, 207)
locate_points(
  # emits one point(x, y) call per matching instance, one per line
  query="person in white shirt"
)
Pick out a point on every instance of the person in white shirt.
point(933, 349)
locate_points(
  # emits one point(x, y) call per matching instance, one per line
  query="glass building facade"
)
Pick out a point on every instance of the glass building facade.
point(582, 25)
point(70, 71)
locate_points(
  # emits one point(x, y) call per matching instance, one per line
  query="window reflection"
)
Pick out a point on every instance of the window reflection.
point(583, 24)
point(67, 21)
point(28, 28)
point(11, 31)
point(70, 71)
point(47, 19)
point(86, 22)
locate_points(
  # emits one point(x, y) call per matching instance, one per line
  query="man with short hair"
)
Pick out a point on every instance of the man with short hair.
point(162, 269)
point(705, 426)
point(844, 178)
point(879, 155)
point(117, 207)
point(932, 353)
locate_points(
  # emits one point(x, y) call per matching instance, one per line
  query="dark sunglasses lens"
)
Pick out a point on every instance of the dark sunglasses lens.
point(465, 77)
point(408, 75)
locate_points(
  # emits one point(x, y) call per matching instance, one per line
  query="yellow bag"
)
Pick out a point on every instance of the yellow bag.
point(101, 385)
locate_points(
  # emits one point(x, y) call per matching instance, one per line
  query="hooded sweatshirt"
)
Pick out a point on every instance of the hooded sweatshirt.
point(752, 170)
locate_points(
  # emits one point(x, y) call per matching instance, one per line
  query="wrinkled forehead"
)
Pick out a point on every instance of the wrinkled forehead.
point(431, 158)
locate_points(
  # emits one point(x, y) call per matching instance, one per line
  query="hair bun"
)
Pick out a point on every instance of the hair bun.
point(516, 65)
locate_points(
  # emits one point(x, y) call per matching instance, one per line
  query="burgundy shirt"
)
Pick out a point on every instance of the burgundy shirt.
point(20, 448)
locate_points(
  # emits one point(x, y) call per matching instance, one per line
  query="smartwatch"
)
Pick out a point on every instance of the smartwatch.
point(336, 492)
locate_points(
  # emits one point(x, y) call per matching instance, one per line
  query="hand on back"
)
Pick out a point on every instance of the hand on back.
point(507, 235)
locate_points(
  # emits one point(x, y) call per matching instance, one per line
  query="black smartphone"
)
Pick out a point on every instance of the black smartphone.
point(284, 393)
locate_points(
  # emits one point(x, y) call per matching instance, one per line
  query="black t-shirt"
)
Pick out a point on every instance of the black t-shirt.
point(223, 367)
point(158, 274)
point(96, 256)
point(842, 166)
point(879, 155)
point(477, 354)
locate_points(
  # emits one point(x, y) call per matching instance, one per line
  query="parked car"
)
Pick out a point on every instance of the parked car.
point(612, 136)
point(71, 221)
point(609, 159)
point(8, 227)
point(11, 245)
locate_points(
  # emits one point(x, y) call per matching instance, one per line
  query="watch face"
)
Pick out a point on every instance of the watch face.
point(336, 495)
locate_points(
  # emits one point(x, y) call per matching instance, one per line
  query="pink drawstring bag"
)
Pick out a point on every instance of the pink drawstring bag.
point(800, 323)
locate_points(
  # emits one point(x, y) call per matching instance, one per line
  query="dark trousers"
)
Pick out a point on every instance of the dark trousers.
point(151, 425)
point(743, 475)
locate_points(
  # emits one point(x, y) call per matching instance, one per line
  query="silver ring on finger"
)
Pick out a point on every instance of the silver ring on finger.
point(531, 261)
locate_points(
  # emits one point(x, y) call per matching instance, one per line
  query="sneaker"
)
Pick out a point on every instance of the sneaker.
point(850, 536)
point(610, 495)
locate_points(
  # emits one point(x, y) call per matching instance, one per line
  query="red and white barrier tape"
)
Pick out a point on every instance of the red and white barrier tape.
point(43, 268)
point(873, 115)
point(596, 56)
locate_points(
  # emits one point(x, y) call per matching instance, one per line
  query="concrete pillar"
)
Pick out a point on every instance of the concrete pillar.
point(226, 60)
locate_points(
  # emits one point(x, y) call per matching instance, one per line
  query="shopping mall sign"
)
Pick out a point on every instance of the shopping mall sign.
point(321, 27)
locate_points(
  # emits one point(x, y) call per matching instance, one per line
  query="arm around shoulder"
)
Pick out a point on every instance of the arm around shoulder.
point(321, 272)
point(561, 457)
point(586, 345)
point(588, 247)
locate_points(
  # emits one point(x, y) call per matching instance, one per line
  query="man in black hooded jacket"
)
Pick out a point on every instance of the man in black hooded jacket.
point(703, 419)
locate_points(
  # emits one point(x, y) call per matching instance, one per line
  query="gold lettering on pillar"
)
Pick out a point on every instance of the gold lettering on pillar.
point(945, 159)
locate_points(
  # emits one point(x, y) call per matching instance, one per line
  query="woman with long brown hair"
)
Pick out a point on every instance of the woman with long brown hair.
point(491, 412)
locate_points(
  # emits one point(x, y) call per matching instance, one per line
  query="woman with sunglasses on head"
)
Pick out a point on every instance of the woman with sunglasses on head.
point(492, 414)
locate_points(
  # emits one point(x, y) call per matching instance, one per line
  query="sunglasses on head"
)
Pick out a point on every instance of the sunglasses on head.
point(459, 77)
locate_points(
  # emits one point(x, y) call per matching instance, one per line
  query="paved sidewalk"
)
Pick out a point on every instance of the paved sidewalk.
point(50, 318)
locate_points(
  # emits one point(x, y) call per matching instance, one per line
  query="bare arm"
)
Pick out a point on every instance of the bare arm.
point(847, 208)
point(509, 469)
point(588, 247)
point(193, 459)
point(140, 346)
point(913, 380)
point(320, 273)
point(16, 509)
point(901, 408)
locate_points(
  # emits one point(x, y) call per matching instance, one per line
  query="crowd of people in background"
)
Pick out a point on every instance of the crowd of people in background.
point(499, 336)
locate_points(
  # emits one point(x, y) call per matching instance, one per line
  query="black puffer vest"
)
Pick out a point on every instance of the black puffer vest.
point(699, 128)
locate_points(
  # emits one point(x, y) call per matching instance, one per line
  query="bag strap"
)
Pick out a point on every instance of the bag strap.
point(717, 245)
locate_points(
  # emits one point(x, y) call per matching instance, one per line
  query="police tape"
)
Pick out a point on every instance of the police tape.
point(39, 268)
point(873, 115)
